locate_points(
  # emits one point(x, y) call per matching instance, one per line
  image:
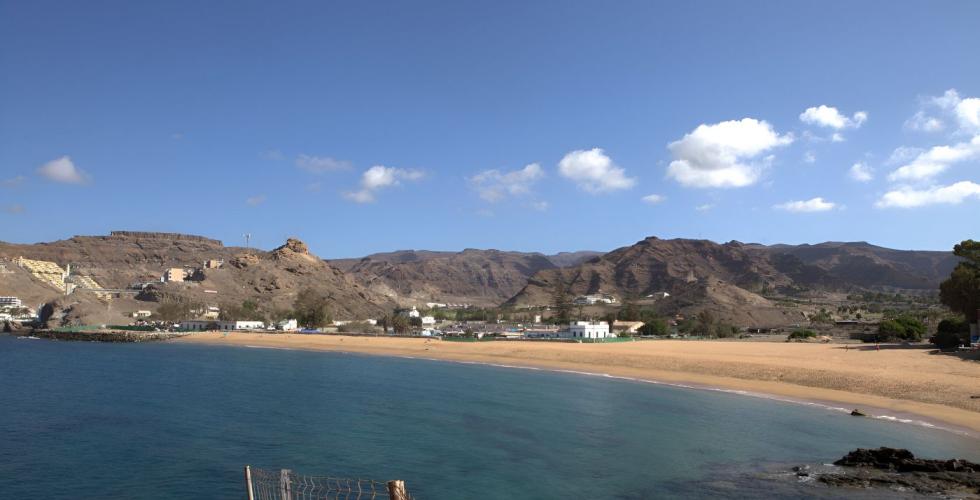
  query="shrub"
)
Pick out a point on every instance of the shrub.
point(903, 328)
point(951, 333)
point(801, 335)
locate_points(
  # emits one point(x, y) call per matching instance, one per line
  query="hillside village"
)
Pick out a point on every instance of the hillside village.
point(655, 288)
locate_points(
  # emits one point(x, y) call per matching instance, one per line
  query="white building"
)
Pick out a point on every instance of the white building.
point(428, 320)
point(587, 330)
point(658, 295)
point(595, 298)
point(142, 314)
point(199, 325)
point(10, 302)
point(287, 325)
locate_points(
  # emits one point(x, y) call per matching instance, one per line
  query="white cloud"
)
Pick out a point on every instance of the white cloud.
point(908, 197)
point(256, 200)
point(705, 207)
point(594, 172)
point(540, 206)
point(724, 155)
point(379, 177)
point(936, 160)
point(13, 181)
point(273, 155)
point(63, 170)
point(830, 117)
point(809, 157)
point(817, 204)
point(321, 164)
point(903, 154)
point(14, 209)
point(493, 185)
point(653, 199)
point(922, 122)
point(861, 172)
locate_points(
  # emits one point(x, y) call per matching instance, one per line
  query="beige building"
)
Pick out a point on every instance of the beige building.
point(213, 263)
point(175, 274)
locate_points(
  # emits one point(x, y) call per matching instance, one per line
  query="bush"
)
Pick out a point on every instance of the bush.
point(654, 327)
point(801, 335)
point(951, 333)
point(903, 328)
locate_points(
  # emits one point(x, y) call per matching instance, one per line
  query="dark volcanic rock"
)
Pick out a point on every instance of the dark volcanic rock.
point(900, 469)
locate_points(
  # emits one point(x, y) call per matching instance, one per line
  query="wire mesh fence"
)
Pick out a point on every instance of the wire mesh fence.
point(284, 484)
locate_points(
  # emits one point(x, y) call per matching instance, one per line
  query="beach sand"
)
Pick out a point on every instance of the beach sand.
point(906, 382)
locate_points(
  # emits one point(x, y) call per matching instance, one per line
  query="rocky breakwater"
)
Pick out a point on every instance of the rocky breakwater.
point(899, 469)
point(103, 335)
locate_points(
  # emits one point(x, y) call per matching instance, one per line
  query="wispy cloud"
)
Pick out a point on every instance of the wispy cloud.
point(63, 170)
point(861, 172)
point(817, 204)
point(321, 164)
point(254, 201)
point(909, 197)
point(653, 199)
point(494, 185)
point(14, 209)
point(13, 181)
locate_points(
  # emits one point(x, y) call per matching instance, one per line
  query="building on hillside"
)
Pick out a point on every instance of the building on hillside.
point(594, 298)
point(428, 320)
point(433, 305)
point(10, 302)
point(142, 314)
point(198, 325)
point(658, 295)
point(175, 275)
point(213, 264)
point(409, 313)
point(630, 327)
point(586, 330)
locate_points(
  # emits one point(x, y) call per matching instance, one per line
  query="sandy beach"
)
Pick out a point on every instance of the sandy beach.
point(906, 382)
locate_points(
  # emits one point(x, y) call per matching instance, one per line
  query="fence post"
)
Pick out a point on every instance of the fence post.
point(396, 490)
point(285, 488)
point(248, 483)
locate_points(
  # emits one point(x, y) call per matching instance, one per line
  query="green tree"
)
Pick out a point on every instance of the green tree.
point(628, 311)
point(561, 302)
point(655, 326)
point(312, 309)
point(400, 324)
point(961, 291)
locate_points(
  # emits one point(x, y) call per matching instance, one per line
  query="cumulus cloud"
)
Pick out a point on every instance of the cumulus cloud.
point(13, 181)
point(830, 117)
point(254, 201)
point(964, 111)
point(861, 172)
point(725, 154)
point(63, 170)
point(817, 204)
point(321, 164)
point(909, 197)
point(653, 199)
point(594, 172)
point(936, 160)
point(494, 185)
point(379, 177)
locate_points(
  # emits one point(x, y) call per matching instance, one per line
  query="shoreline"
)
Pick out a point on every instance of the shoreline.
point(669, 363)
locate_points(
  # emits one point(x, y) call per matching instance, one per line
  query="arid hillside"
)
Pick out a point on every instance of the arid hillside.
point(271, 279)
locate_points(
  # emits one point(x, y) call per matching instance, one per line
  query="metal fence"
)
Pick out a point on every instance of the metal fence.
point(284, 484)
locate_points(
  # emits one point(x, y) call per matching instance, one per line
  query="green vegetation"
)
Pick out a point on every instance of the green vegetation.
point(247, 311)
point(961, 291)
point(655, 326)
point(176, 309)
point(902, 328)
point(951, 333)
point(357, 327)
point(801, 335)
point(561, 302)
point(312, 309)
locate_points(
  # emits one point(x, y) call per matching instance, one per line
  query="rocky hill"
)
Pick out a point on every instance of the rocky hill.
point(864, 265)
point(478, 277)
point(272, 279)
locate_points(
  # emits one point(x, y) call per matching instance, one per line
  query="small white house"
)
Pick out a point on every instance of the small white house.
point(287, 325)
point(204, 325)
point(428, 320)
point(587, 330)
point(142, 314)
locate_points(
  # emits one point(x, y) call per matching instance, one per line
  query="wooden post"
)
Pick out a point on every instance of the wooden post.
point(285, 488)
point(248, 483)
point(396, 490)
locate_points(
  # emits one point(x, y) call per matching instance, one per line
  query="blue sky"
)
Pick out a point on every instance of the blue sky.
point(540, 126)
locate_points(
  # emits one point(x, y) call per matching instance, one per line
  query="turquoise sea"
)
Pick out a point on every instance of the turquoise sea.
point(163, 420)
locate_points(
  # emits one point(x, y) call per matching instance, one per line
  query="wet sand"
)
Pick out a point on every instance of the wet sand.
point(913, 383)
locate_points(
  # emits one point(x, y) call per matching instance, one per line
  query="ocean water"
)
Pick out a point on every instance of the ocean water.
point(88, 420)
